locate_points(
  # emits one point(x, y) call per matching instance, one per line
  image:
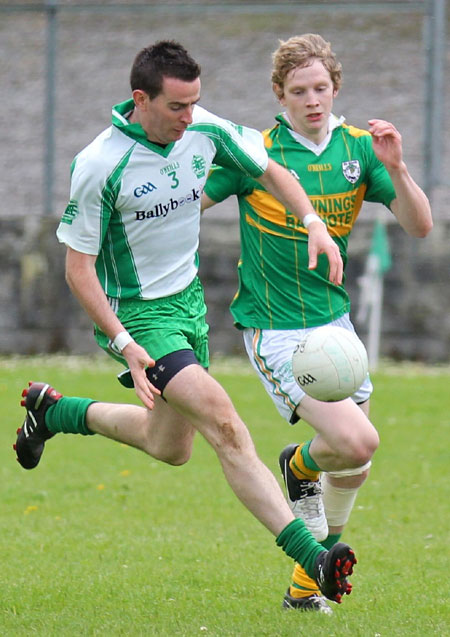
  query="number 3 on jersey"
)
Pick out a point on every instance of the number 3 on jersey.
point(175, 181)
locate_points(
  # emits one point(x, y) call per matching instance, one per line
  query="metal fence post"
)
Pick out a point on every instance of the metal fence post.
point(50, 101)
point(435, 25)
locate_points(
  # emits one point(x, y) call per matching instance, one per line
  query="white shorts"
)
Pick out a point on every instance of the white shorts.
point(270, 353)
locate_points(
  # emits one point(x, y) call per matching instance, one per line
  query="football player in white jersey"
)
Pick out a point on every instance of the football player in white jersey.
point(131, 230)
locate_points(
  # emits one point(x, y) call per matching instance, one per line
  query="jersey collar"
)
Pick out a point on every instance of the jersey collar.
point(120, 112)
point(317, 149)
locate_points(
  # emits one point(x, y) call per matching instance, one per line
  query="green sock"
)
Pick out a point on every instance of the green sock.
point(309, 462)
point(297, 542)
point(331, 540)
point(68, 416)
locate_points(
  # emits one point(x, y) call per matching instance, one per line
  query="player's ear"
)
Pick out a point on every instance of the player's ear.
point(279, 92)
point(140, 98)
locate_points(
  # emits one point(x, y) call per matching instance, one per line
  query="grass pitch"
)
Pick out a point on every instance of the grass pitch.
point(102, 540)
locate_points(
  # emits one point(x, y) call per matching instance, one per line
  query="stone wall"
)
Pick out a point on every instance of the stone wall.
point(39, 314)
point(416, 308)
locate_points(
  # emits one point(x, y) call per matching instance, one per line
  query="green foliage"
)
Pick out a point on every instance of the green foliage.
point(103, 540)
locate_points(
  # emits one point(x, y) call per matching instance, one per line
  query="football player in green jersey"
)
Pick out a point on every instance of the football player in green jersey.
point(131, 230)
point(280, 298)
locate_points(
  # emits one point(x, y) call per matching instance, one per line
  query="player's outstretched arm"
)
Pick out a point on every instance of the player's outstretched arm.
point(82, 279)
point(206, 202)
point(284, 187)
point(411, 205)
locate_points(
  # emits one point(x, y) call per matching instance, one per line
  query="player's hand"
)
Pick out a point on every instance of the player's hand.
point(138, 360)
point(387, 143)
point(320, 242)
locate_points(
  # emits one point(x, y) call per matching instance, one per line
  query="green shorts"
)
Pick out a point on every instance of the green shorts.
point(166, 325)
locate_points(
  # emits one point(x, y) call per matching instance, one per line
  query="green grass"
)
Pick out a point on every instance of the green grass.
point(103, 540)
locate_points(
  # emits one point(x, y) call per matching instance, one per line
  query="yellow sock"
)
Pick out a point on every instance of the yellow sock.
point(302, 585)
point(298, 467)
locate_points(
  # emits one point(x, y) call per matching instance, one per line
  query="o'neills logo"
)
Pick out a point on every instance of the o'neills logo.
point(163, 209)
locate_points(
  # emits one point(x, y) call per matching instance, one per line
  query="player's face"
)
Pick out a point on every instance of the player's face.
point(166, 117)
point(308, 95)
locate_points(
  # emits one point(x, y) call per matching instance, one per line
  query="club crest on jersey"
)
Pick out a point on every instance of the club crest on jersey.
point(70, 212)
point(351, 170)
point(198, 166)
point(285, 371)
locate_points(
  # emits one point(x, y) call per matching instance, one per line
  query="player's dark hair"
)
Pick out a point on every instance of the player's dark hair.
point(166, 58)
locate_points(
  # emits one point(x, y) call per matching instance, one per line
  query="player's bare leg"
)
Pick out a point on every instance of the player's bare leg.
point(204, 403)
point(161, 433)
point(340, 491)
point(209, 408)
point(345, 436)
point(336, 424)
point(337, 493)
point(195, 401)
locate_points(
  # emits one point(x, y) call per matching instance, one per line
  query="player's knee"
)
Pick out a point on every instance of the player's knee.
point(178, 461)
point(357, 456)
point(372, 442)
point(230, 434)
point(359, 451)
point(175, 453)
point(175, 458)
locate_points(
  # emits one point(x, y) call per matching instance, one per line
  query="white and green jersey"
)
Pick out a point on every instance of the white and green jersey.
point(137, 205)
point(276, 289)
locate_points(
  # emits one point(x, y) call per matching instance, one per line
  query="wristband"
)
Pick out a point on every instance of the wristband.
point(122, 340)
point(310, 218)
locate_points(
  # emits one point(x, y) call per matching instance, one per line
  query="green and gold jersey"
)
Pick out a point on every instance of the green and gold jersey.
point(276, 289)
point(136, 205)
